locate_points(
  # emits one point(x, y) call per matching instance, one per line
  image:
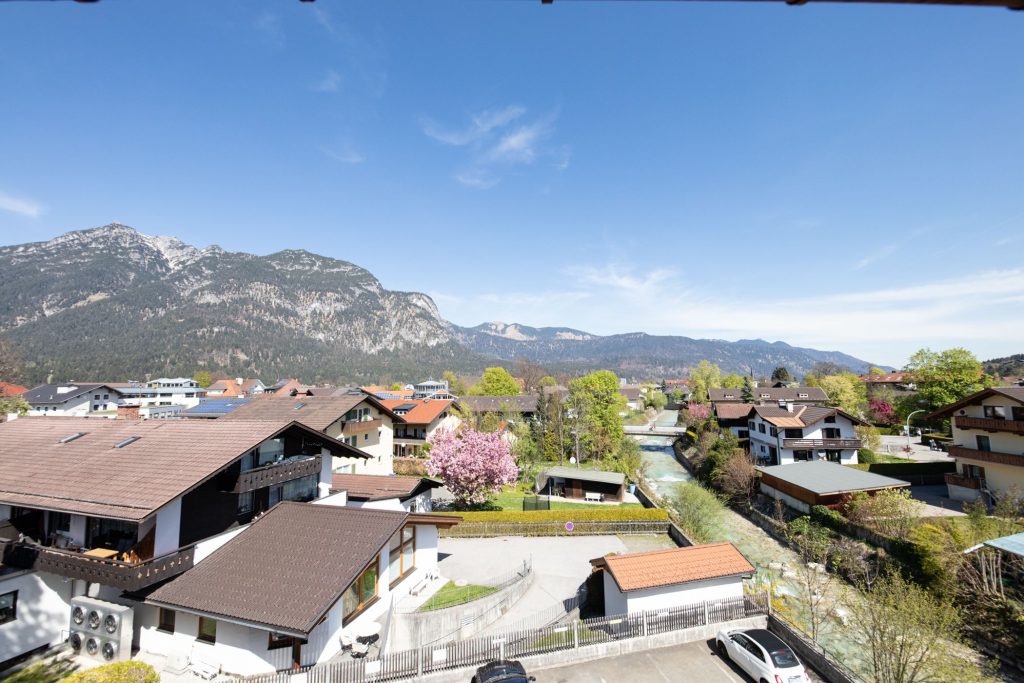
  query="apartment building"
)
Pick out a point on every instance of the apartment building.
point(786, 433)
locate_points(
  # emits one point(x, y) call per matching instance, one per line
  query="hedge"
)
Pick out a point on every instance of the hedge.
point(608, 514)
point(118, 672)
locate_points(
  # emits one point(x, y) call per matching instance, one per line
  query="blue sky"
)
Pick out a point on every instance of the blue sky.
point(839, 177)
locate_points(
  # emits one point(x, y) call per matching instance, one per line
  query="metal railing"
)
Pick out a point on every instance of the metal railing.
point(513, 644)
point(486, 529)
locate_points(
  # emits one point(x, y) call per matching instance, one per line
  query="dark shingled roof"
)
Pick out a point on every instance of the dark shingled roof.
point(1012, 393)
point(524, 403)
point(732, 411)
point(811, 394)
point(48, 393)
point(802, 416)
point(88, 475)
point(288, 569)
point(370, 487)
point(316, 411)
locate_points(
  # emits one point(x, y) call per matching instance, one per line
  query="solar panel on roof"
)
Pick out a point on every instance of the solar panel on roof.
point(406, 406)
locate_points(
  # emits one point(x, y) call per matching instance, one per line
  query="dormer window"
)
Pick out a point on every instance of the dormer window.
point(766, 395)
point(803, 395)
point(730, 395)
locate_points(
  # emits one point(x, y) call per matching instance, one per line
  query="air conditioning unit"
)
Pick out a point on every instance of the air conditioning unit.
point(101, 629)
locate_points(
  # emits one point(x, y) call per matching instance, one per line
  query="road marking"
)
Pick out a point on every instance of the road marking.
point(657, 668)
point(730, 674)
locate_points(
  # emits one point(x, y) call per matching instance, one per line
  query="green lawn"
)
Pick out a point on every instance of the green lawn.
point(45, 672)
point(451, 595)
point(513, 500)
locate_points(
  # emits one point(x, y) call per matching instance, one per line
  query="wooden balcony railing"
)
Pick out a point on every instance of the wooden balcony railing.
point(363, 427)
point(835, 444)
point(986, 456)
point(966, 482)
point(989, 425)
point(277, 473)
point(127, 576)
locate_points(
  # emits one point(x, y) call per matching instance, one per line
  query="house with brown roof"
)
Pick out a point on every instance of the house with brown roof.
point(420, 418)
point(771, 394)
point(293, 588)
point(988, 438)
point(662, 579)
point(734, 417)
point(359, 420)
point(113, 507)
point(786, 433)
point(411, 494)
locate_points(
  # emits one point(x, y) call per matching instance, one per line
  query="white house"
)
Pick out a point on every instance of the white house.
point(359, 420)
point(73, 400)
point(988, 433)
point(418, 420)
point(166, 391)
point(787, 433)
point(662, 579)
point(293, 588)
point(108, 508)
point(410, 494)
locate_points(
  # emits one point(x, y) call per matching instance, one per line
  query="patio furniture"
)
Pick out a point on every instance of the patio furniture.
point(367, 632)
point(101, 553)
point(591, 497)
point(360, 649)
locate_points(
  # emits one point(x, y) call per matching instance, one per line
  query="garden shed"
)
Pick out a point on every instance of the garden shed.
point(573, 482)
point(818, 482)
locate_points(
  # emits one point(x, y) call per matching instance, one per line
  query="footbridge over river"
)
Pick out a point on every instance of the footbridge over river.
point(658, 430)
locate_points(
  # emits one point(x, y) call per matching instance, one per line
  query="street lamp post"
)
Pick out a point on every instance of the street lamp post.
point(922, 410)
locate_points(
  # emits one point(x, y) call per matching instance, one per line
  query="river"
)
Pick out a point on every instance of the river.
point(664, 475)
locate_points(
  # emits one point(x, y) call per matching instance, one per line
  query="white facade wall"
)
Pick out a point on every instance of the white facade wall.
point(666, 597)
point(761, 444)
point(614, 599)
point(242, 650)
point(42, 613)
point(168, 528)
point(78, 407)
point(378, 443)
point(999, 477)
point(420, 503)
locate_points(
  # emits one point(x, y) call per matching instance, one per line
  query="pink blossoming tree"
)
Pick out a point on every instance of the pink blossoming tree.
point(699, 411)
point(472, 464)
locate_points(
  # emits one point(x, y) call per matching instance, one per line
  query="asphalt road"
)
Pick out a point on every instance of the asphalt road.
point(689, 662)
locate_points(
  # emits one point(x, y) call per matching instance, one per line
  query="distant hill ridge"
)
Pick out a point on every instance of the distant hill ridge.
point(110, 303)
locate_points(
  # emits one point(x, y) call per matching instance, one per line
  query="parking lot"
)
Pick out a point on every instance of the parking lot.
point(690, 662)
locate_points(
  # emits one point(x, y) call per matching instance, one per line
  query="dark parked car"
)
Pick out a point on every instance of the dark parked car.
point(502, 671)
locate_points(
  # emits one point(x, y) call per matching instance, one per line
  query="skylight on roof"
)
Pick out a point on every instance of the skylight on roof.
point(71, 437)
point(125, 442)
point(406, 406)
point(298, 406)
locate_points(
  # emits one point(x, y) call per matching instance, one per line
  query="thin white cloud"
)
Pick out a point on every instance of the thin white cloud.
point(479, 126)
point(269, 25)
point(884, 252)
point(983, 311)
point(20, 205)
point(502, 136)
point(344, 154)
point(477, 178)
point(324, 19)
point(330, 83)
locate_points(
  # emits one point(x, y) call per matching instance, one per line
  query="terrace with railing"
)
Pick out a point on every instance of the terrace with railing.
point(277, 473)
point(989, 424)
point(836, 444)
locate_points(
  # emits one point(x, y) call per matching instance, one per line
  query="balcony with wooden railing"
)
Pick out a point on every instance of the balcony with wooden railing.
point(277, 473)
point(965, 481)
point(986, 456)
point(831, 444)
point(989, 424)
point(127, 576)
point(360, 427)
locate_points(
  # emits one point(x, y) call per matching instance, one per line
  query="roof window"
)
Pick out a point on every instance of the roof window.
point(71, 437)
point(126, 442)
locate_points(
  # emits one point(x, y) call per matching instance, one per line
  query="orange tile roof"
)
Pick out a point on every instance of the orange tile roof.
point(425, 411)
point(228, 387)
point(7, 389)
point(638, 571)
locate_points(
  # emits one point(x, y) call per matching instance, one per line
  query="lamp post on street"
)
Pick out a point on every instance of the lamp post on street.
point(922, 410)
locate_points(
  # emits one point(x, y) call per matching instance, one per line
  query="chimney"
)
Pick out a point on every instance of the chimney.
point(126, 412)
point(789, 406)
point(239, 380)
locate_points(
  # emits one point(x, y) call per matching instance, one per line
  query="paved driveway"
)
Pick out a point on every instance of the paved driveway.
point(561, 565)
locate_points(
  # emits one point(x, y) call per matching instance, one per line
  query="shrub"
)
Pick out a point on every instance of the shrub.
point(866, 456)
point(118, 672)
point(699, 511)
point(609, 514)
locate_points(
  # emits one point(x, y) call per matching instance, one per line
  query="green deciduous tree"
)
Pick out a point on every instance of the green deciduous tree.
point(945, 377)
point(705, 376)
point(732, 381)
point(908, 635)
point(13, 404)
point(596, 405)
point(845, 391)
point(455, 385)
point(203, 378)
point(496, 382)
point(657, 400)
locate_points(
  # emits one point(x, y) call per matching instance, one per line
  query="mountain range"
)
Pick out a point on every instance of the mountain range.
point(111, 303)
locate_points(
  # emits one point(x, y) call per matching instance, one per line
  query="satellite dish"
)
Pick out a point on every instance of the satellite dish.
point(572, 460)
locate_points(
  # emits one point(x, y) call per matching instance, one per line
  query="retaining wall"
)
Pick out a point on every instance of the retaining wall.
point(460, 622)
point(810, 654)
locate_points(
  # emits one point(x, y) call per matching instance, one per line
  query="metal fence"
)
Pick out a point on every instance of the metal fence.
point(532, 641)
point(531, 503)
point(489, 529)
